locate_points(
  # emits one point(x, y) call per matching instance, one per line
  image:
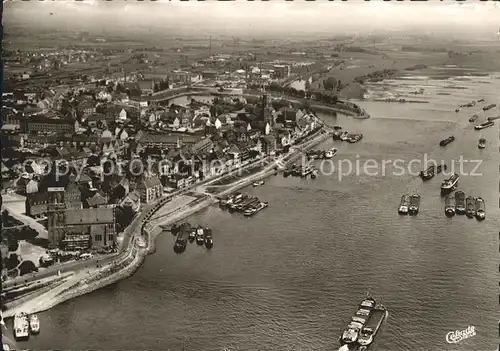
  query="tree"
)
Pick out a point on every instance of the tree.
point(27, 267)
point(330, 83)
point(12, 261)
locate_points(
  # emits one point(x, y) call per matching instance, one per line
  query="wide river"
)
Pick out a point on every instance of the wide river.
point(291, 277)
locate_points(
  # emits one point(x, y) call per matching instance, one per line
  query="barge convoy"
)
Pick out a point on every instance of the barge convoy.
point(431, 171)
point(364, 325)
point(187, 233)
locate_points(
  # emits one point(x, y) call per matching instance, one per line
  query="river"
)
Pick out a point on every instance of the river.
point(291, 277)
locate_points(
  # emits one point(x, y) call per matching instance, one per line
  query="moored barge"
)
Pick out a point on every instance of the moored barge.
point(480, 209)
point(209, 243)
point(414, 205)
point(460, 202)
point(182, 238)
point(449, 207)
point(404, 204)
point(470, 206)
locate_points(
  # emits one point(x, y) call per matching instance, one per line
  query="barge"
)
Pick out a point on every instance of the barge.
point(414, 205)
point(209, 243)
point(484, 125)
point(34, 324)
point(480, 209)
point(404, 204)
point(372, 326)
point(200, 235)
point(446, 141)
point(253, 210)
point(489, 107)
point(21, 326)
point(470, 206)
point(489, 119)
point(182, 238)
point(460, 203)
point(450, 184)
point(449, 207)
point(431, 171)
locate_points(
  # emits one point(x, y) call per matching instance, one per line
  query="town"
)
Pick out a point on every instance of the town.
point(86, 154)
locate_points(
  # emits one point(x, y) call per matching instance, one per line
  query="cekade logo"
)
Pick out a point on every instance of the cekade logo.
point(459, 335)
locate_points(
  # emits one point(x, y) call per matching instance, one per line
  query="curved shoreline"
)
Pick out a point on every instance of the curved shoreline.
point(133, 256)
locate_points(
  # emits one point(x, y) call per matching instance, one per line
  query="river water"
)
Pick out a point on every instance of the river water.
point(291, 277)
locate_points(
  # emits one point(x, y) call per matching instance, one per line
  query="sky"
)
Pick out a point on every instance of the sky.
point(243, 17)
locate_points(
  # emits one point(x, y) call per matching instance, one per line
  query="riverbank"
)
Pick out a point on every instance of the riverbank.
point(129, 261)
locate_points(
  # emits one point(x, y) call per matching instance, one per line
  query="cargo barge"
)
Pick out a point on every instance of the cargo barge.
point(489, 107)
point(460, 203)
point(182, 238)
point(470, 206)
point(209, 243)
point(200, 235)
point(253, 210)
point(480, 209)
point(364, 325)
point(414, 205)
point(449, 207)
point(484, 125)
point(446, 141)
point(431, 171)
point(404, 204)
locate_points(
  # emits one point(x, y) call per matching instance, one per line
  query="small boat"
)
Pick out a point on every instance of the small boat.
point(355, 138)
point(337, 135)
point(414, 204)
point(473, 118)
point(482, 143)
point(449, 207)
point(470, 206)
point(480, 100)
point(457, 109)
point(489, 107)
point(403, 205)
point(336, 127)
point(209, 243)
point(450, 184)
point(460, 202)
point(21, 326)
point(34, 324)
point(286, 173)
point(259, 183)
point(200, 235)
point(431, 171)
point(447, 141)
point(480, 209)
point(314, 173)
point(484, 125)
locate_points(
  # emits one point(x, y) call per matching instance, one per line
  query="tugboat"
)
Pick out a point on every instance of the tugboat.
point(253, 210)
point(449, 207)
point(34, 324)
point(480, 209)
point(484, 125)
point(431, 171)
point(447, 141)
point(473, 118)
point(450, 184)
point(460, 203)
point(470, 204)
point(200, 238)
point(372, 326)
point(482, 143)
point(414, 205)
point(209, 243)
point(21, 326)
point(403, 205)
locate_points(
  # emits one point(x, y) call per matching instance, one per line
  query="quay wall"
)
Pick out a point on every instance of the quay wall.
point(33, 295)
